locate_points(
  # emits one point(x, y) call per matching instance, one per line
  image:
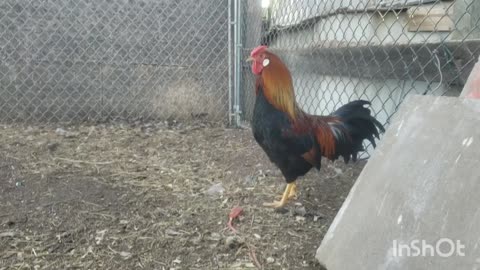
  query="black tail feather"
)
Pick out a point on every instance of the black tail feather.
point(360, 125)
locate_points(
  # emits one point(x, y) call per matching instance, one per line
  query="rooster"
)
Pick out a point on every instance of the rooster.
point(294, 140)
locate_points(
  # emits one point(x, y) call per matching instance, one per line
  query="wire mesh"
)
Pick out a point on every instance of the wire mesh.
point(378, 50)
point(81, 60)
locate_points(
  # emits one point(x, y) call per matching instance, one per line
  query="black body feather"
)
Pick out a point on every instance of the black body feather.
point(274, 132)
point(269, 127)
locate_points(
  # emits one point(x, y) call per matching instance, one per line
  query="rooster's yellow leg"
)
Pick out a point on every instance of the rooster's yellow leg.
point(285, 197)
point(293, 193)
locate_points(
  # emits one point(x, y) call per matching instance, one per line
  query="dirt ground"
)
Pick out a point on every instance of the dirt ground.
point(155, 196)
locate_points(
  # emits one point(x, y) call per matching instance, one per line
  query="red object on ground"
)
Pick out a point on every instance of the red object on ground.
point(472, 86)
point(234, 213)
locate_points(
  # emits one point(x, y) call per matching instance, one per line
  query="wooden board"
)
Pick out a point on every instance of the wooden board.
point(431, 18)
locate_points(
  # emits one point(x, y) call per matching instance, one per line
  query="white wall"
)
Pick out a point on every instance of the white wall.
point(359, 30)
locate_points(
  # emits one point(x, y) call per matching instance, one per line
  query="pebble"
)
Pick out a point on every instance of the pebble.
point(233, 242)
point(65, 133)
point(250, 180)
point(215, 237)
point(216, 189)
point(61, 131)
point(52, 146)
point(300, 219)
point(300, 211)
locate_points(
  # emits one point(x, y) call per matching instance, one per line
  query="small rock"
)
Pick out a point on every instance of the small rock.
point(66, 134)
point(270, 260)
point(71, 134)
point(19, 184)
point(233, 242)
point(172, 232)
point(61, 131)
point(7, 234)
point(216, 189)
point(125, 255)
point(300, 211)
point(250, 180)
point(215, 237)
point(338, 171)
point(316, 216)
point(197, 240)
point(89, 251)
point(299, 219)
point(99, 236)
point(250, 265)
point(30, 129)
point(52, 146)
point(91, 130)
point(261, 175)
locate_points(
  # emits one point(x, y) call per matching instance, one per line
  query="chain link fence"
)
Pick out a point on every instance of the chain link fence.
point(81, 60)
point(65, 60)
point(378, 50)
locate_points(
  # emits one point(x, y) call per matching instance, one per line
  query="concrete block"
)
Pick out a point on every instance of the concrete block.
point(421, 184)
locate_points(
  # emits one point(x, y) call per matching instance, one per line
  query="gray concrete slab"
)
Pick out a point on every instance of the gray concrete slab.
point(421, 184)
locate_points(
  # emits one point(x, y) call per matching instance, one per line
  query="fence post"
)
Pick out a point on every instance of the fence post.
point(230, 66)
point(238, 61)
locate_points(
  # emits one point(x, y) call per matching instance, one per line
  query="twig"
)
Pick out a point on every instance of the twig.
point(98, 214)
point(230, 226)
point(85, 162)
point(253, 257)
point(46, 254)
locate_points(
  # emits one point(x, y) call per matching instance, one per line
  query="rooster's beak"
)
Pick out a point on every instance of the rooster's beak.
point(249, 59)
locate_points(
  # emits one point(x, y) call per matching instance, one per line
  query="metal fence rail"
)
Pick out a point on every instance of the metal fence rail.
point(78, 60)
point(378, 50)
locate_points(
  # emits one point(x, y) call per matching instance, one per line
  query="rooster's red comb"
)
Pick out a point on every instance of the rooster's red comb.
point(258, 50)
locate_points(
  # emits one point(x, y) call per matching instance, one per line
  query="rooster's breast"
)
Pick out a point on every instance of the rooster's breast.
point(268, 126)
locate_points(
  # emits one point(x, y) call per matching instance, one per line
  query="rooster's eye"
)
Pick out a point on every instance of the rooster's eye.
point(265, 62)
